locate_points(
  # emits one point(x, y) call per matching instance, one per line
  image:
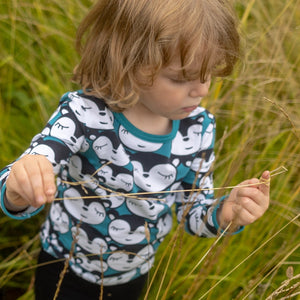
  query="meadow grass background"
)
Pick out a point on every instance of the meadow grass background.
point(258, 120)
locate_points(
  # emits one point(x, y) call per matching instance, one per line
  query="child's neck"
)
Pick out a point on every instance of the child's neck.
point(147, 121)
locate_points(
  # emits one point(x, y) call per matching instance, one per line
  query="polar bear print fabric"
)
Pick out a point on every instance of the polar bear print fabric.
point(116, 183)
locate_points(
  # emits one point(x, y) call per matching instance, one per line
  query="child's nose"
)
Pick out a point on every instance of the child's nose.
point(199, 89)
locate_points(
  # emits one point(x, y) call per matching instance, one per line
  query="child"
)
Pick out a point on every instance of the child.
point(135, 127)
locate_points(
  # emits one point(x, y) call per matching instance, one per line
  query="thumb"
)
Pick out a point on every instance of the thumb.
point(264, 187)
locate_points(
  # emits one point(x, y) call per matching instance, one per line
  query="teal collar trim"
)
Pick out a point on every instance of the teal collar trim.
point(144, 135)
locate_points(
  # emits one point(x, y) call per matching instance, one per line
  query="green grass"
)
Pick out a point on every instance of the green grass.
point(258, 121)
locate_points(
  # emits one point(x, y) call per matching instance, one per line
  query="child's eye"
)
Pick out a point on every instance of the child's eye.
point(178, 80)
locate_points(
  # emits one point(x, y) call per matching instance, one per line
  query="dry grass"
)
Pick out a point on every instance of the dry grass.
point(258, 124)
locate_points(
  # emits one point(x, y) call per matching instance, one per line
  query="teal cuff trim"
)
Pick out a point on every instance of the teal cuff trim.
point(28, 213)
point(215, 221)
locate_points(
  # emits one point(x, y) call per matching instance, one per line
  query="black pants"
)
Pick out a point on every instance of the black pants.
point(76, 288)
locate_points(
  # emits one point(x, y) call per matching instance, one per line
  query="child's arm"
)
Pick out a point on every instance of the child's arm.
point(245, 204)
point(204, 215)
point(31, 182)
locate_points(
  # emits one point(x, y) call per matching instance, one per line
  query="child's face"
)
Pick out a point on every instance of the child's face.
point(173, 96)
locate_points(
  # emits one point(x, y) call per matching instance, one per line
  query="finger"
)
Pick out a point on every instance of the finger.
point(243, 216)
point(247, 195)
point(264, 187)
point(253, 194)
point(48, 179)
point(253, 183)
point(38, 196)
point(254, 208)
point(18, 188)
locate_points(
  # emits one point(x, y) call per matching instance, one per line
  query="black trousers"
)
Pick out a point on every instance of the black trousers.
point(76, 288)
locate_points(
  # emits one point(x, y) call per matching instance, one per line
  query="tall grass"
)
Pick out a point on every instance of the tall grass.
point(258, 120)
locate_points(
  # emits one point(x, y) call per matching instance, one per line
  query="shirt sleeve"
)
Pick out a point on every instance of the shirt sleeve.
point(197, 207)
point(61, 137)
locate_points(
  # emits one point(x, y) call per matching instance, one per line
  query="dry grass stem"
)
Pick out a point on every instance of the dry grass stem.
point(295, 130)
point(66, 265)
point(273, 173)
point(250, 255)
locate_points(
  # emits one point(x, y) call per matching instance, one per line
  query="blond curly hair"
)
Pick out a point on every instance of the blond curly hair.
point(124, 44)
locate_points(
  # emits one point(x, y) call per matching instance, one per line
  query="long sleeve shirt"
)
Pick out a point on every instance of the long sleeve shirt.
point(116, 186)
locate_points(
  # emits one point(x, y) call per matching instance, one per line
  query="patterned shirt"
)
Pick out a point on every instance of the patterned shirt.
point(117, 185)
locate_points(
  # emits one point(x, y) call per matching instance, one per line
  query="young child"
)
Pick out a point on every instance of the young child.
point(135, 127)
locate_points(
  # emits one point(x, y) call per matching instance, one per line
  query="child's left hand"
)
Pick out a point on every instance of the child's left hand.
point(246, 204)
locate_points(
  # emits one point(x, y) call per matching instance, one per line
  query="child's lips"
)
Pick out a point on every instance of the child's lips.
point(190, 108)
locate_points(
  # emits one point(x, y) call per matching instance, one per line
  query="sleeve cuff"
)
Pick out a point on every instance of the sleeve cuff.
point(25, 214)
point(215, 221)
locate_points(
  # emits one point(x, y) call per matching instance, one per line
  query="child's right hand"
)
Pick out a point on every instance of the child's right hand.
point(30, 182)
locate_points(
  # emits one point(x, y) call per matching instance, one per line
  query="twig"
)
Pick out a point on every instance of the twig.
point(245, 259)
point(210, 248)
point(66, 265)
point(286, 115)
point(277, 171)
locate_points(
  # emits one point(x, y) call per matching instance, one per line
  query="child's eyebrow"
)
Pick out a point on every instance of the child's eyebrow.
point(186, 74)
point(179, 72)
point(182, 70)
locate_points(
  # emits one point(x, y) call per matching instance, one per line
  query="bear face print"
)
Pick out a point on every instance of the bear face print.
point(91, 212)
point(45, 149)
point(90, 265)
point(206, 184)
point(135, 143)
point(196, 224)
point(120, 279)
point(127, 230)
point(208, 136)
point(144, 208)
point(116, 178)
point(121, 232)
point(57, 247)
point(65, 130)
point(59, 218)
point(110, 200)
point(116, 201)
point(164, 226)
point(91, 277)
point(122, 261)
point(195, 220)
point(78, 167)
point(156, 179)
point(204, 162)
point(107, 150)
point(203, 193)
point(89, 113)
point(95, 246)
point(188, 142)
point(145, 267)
